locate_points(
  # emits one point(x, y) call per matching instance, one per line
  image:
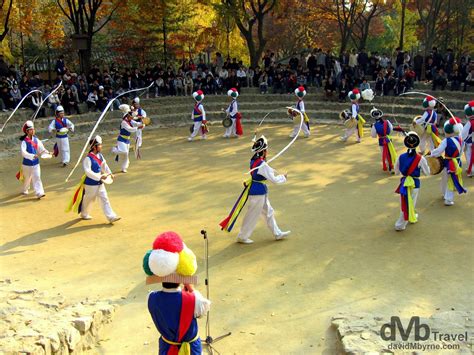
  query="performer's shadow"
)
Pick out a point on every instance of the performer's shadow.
point(17, 198)
point(45, 234)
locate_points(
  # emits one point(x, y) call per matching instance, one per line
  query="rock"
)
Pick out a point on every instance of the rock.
point(73, 337)
point(82, 324)
point(27, 332)
point(22, 292)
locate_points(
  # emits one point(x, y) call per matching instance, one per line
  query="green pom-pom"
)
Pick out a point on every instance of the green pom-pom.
point(146, 267)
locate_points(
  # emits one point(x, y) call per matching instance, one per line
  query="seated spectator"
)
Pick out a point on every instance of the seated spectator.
point(379, 81)
point(469, 80)
point(440, 79)
point(209, 86)
point(343, 90)
point(8, 102)
point(364, 85)
point(456, 80)
point(242, 76)
point(92, 100)
point(263, 82)
point(69, 102)
point(402, 86)
point(109, 93)
point(15, 94)
point(279, 86)
point(330, 89)
point(101, 98)
point(178, 84)
point(159, 86)
point(291, 84)
point(389, 84)
point(53, 101)
point(36, 101)
point(250, 77)
point(302, 80)
point(188, 85)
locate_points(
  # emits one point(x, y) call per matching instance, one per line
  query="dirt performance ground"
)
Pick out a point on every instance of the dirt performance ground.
point(343, 254)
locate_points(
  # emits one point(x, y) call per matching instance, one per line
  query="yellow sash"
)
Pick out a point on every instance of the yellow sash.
point(458, 174)
point(434, 137)
point(185, 348)
point(73, 204)
point(360, 125)
point(410, 185)
point(391, 149)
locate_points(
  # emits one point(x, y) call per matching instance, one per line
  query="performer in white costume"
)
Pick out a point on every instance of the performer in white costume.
point(61, 125)
point(199, 117)
point(138, 115)
point(300, 92)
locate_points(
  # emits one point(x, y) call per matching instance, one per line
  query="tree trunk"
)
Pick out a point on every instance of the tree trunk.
point(402, 27)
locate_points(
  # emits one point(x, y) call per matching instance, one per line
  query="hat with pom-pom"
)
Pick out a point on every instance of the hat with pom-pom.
point(469, 109)
point(27, 126)
point(233, 93)
point(453, 125)
point(354, 94)
point(198, 95)
point(125, 109)
point(429, 102)
point(170, 260)
point(300, 92)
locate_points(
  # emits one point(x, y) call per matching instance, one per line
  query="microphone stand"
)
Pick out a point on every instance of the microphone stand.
point(209, 339)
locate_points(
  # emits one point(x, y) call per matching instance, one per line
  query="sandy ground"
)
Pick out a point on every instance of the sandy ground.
point(276, 297)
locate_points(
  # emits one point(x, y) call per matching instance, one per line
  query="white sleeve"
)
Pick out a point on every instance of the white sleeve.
point(41, 148)
point(465, 130)
point(268, 172)
point(143, 113)
point(373, 132)
point(390, 125)
point(86, 164)
point(51, 127)
point(354, 111)
point(24, 153)
point(425, 168)
point(228, 109)
point(201, 305)
point(128, 128)
point(201, 107)
point(421, 120)
point(396, 168)
point(302, 106)
point(70, 125)
point(438, 151)
point(105, 167)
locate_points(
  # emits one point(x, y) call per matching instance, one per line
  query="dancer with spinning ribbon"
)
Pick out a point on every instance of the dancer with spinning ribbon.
point(451, 146)
point(61, 125)
point(383, 128)
point(32, 149)
point(199, 117)
point(139, 117)
point(96, 174)
point(174, 310)
point(410, 165)
point(427, 122)
point(466, 135)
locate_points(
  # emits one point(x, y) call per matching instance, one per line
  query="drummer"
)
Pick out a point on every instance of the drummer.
point(451, 146)
point(300, 93)
point(358, 128)
point(232, 111)
point(61, 125)
point(382, 128)
point(410, 165)
point(428, 123)
point(31, 149)
point(96, 172)
point(199, 117)
point(467, 137)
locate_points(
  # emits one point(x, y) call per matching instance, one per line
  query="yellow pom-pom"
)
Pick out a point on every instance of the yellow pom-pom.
point(187, 265)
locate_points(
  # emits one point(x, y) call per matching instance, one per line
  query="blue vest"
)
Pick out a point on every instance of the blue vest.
point(469, 136)
point(234, 102)
point(139, 113)
point(197, 114)
point(433, 119)
point(452, 151)
point(124, 135)
point(380, 131)
point(298, 105)
point(165, 310)
point(257, 187)
point(30, 149)
point(405, 162)
point(95, 167)
point(58, 126)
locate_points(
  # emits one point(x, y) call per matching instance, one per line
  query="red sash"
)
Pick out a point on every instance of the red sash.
point(96, 158)
point(33, 143)
point(188, 300)
point(414, 164)
point(196, 107)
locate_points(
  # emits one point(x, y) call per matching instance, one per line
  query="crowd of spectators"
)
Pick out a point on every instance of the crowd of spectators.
point(335, 76)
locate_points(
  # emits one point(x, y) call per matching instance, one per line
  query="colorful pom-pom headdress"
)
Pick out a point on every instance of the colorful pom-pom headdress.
point(469, 109)
point(198, 95)
point(27, 125)
point(300, 92)
point(233, 93)
point(354, 94)
point(429, 102)
point(453, 125)
point(170, 260)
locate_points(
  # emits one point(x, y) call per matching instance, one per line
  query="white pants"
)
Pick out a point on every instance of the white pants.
point(63, 147)
point(258, 205)
point(197, 129)
point(231, 131)
point(90, 194)
point(467, 154)
point(304, 128)
point(32, 174)
point(426, 138)
point(448, 195)
point(349, 132)
point(401, 223)
point(138, 137)
point(122, 149)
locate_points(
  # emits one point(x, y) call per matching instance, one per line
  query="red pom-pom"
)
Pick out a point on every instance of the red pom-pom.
point(454, 120)
point(429, 98)
point(301, 88)
point(471, 103)
point(169, 241)
point(199, 92)
point(355, 91)
point(233, 89)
